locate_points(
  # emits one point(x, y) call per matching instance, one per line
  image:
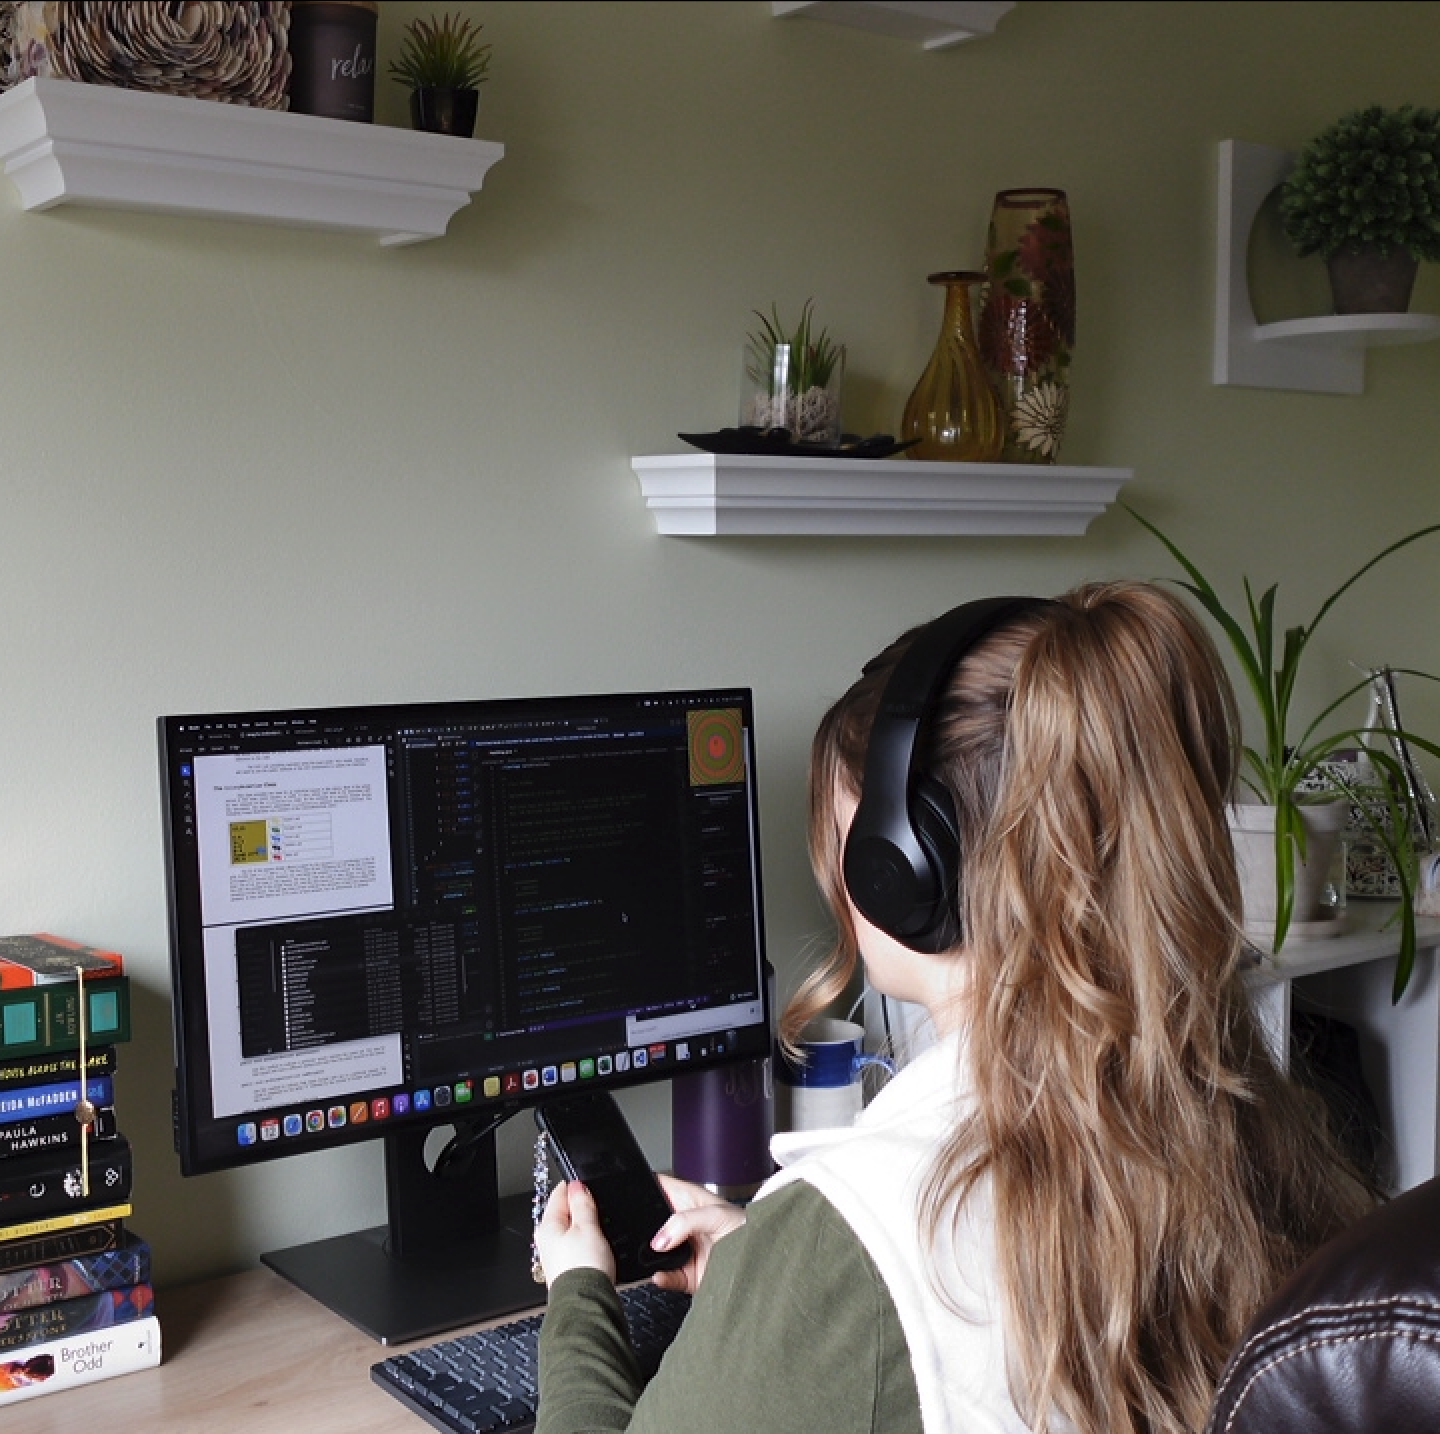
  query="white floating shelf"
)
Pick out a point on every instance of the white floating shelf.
point(67, 143)
point(1325, 354)
point(932, 26)
point(1353, 331)
point(716, 496)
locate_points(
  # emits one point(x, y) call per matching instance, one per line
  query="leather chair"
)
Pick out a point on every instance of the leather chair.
point(1351, 1342)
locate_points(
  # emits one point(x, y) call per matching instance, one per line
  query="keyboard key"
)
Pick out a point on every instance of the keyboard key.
point(487, 1382)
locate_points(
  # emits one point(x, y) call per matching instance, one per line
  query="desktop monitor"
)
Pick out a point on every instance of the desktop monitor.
point(386, 920)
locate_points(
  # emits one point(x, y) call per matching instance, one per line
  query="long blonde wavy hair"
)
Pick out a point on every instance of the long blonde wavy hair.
point(1154, 1174)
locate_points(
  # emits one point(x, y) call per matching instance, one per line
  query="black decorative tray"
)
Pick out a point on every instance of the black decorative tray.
point(777, 443)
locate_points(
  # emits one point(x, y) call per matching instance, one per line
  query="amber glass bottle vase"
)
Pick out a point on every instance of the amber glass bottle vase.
point(953, 411)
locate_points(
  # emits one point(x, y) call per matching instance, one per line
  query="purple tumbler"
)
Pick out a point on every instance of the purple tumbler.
point(721, 1121)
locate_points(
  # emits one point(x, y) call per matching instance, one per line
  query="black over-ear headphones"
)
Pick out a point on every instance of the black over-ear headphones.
point(902, 857)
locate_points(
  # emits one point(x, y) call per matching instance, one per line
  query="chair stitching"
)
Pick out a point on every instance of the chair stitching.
point(1316, 1344)
point(1389, 1302)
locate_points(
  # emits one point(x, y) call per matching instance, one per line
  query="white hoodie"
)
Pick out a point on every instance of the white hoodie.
point(873, 1172)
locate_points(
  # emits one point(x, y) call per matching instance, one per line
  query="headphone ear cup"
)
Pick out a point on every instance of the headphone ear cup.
point(901, 863)
point(933, 820)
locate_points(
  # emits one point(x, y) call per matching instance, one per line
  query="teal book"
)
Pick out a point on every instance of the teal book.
point(47, 1018)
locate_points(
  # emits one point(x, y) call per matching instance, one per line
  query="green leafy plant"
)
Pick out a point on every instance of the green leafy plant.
point(443, 54)
point(1371, 180)
point(813, 353)
point(1280, 766)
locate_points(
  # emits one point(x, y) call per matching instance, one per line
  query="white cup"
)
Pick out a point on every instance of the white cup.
point(825, 1087)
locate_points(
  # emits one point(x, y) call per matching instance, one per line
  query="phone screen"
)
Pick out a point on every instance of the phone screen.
point(593, 1143)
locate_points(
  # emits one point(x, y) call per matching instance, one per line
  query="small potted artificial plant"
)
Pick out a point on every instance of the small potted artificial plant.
point(1293, 776)
point(792, 379)
point(1365, 196)
point(444, 62)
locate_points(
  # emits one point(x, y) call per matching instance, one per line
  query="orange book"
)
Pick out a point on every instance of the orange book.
point(41, 959)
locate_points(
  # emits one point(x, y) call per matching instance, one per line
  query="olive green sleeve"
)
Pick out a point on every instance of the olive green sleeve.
point(588, 1375)
point(792, 1332)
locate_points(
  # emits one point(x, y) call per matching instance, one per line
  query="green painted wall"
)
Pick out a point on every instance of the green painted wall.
point(248, 466)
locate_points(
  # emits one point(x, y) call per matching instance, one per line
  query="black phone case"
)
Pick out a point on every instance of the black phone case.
point(594, 1144)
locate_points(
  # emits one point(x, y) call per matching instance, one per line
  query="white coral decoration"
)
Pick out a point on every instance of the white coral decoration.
point(234, 52)
point(811, 417)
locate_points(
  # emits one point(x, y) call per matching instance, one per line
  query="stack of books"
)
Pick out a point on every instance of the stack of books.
point(76, 1301)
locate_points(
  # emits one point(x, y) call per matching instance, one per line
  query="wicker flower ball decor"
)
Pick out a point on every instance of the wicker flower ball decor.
point(236, 53)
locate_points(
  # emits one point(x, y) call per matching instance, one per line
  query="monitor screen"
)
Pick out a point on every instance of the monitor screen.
point(386, 919)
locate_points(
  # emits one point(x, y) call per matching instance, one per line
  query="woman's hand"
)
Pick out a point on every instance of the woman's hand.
point(569, 1236)
point(702, 1218)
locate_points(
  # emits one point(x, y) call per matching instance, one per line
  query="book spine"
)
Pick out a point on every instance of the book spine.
point(53, 1133)
point(48, 1284)
point(69, 1220)
point(39, 1185)
point(62, 1065)
point(27, 1102)
point(81, 1315)
point(40, 959)
point(78, 1359)
point(24, 1252)
point(47, 1018)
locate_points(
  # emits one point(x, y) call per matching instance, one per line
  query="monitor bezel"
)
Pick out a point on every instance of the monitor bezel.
point(192, 1055)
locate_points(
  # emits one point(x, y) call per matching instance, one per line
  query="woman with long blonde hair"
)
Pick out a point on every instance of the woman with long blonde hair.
point(1060, 1216)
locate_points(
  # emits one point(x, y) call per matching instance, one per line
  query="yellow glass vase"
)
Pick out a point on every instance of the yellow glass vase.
point(953, 411)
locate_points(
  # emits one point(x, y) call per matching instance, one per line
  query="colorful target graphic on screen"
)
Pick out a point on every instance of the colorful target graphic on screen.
point(717, 747)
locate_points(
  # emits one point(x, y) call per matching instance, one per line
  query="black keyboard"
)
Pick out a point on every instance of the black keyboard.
point(488, 1382)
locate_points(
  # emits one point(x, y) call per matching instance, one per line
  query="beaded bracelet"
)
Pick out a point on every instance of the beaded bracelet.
point(540, 1170)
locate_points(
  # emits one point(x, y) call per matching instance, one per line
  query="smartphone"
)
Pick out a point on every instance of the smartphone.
point(593, 1143)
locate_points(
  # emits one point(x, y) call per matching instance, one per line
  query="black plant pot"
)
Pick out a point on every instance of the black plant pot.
point(1372, 281)
point(445, 111)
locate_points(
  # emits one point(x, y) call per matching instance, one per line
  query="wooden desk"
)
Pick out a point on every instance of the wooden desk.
point(248, 1354)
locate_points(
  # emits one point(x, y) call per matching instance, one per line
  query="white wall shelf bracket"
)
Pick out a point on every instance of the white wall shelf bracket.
point(1325, 354)
point(717, 496)
point(932, 26)
point(62, 142)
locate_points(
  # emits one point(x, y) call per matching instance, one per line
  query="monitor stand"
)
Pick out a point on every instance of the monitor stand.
point(453, 1253)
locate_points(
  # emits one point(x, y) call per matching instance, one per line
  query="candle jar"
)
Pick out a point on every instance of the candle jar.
point(332, 54)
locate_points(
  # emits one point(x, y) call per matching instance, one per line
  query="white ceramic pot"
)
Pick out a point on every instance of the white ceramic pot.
point(1252, 828)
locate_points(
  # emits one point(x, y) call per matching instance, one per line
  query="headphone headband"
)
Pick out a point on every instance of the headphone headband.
point(902, 856)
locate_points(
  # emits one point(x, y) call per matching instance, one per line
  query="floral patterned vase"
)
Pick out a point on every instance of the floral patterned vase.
point(1027, 325)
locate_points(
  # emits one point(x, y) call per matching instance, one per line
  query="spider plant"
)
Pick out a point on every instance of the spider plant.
point(1277, 766)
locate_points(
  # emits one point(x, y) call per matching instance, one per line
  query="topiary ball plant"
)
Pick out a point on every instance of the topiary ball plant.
point(1369, 181)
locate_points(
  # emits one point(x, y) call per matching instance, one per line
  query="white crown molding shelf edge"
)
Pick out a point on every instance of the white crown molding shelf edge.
point(934, 24)
point(716, 496)
point(1324, 354)
point(62, 142)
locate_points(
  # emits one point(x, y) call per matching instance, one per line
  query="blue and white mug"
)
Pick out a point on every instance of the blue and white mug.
point(824, 1087)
